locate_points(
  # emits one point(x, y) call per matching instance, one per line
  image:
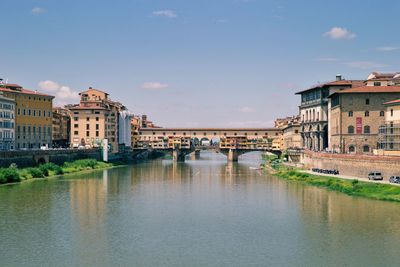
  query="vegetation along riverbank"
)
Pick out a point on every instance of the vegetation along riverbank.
point(13, 174)
point(350, 187)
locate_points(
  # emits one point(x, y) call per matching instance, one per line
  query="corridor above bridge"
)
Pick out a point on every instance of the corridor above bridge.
point(242, 140)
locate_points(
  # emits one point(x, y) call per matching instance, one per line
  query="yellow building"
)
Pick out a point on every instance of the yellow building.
point(94, 119)
point(33, 116)
point(135, 126)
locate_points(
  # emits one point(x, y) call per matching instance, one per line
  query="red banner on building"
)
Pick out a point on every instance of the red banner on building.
point(359, 125)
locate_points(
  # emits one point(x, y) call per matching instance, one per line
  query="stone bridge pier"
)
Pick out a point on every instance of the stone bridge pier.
point(179, 155)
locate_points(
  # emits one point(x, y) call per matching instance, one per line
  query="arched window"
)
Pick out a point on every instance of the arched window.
point(352, 149)
point(382, 113)
point(367, 113)
point(350, 129)
point(350, 113)
point(366, 148)
point(367, 129)
point(317, 116)
point(313, 116)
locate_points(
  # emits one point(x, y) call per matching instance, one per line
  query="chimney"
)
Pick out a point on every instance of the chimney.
point(339, 77)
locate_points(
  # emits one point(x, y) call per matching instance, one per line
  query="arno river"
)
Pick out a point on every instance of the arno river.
point(200, 213)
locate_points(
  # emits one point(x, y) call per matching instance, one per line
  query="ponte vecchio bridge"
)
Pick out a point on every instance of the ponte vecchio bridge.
point(230, 142)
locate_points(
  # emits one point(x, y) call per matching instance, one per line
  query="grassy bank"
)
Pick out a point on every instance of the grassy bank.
point(350, 187)
point(13, 174)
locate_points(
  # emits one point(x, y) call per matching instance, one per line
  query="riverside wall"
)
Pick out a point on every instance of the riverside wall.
point(353, 165)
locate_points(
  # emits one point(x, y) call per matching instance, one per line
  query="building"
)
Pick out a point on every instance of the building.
point(7, 122)
point(291, 136)
point(282, 123)
point(135, 126)
point(61, 127)
point(33, 116)
point(94, 119)
point(124, 129)
point(389, 133)
point(356, 115)
point(383, 79)
point(314, 112)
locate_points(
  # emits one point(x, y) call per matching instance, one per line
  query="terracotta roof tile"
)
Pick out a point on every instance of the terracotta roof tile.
point(24, 91)
point(371, 89)
point(397, 101)
point(353, 83)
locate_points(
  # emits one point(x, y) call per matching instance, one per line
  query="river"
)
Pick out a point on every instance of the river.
point(203, 212)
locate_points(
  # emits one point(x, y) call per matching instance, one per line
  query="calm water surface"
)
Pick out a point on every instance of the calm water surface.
point(203, 212)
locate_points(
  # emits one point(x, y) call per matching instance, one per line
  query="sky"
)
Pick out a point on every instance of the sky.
point(188, 63)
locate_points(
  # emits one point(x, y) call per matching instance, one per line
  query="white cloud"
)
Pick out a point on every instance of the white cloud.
point(63, 94)
point(165, 13)
point(387, 48)
point(38, 10)
point(365, 64)
point(247, 109)
point(154, 85)
point(339, 33)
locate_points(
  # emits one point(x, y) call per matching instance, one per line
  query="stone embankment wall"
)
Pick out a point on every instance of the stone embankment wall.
point(29, 158)
point(353, 165)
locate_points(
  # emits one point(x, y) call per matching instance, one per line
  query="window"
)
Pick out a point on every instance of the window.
point(87, 126)
point(87, 118)
point(391, 113)
point(76, 125)
point(76, 133)
point(377, 83)
point(350, 100)
point(75, 118)
point(97, 126)
point(97, 118)
point(40, 113)
point(97, 133)
point(367, 129)
point(367, 101)
point(350, 129)
point(366, 148)
point(367, 113)
point(382, 113)
point(352, 149)
point(350, 113)
point(87, 133)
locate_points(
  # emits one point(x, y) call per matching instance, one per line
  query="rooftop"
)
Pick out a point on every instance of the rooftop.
point(13, 88)
point(370, 89)
point(393, 102)
point(353, 83)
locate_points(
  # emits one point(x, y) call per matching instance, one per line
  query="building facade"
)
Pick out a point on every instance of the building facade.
point(94, 119)
point(389, 133)
point(356, 115)
point(7, 123)
point(291, 136)
point(61, 127)
point(33, 116)
point(314, 112)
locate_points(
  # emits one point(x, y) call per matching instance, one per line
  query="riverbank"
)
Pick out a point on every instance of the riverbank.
point(13, 174)
point(354, 187)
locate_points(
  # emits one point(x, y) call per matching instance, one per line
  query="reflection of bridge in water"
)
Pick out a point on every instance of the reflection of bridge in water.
point(230, 142)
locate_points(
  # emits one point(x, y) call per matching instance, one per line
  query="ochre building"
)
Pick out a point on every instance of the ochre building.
point(33, 116)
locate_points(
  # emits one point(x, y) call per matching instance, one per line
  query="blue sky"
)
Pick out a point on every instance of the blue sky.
point(230, 63)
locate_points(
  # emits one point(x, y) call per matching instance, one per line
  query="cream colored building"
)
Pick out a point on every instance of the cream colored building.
point(94, 119)
point(291, 137)
point(389, 132)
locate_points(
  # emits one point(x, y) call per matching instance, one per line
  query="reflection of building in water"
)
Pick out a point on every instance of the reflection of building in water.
point(335, 209)
point(170, 172)
point(88, 198)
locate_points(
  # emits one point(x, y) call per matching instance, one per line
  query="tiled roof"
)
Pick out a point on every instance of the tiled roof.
point(23, 91)
point(81, 107)
point(353, 83)
point(371, 89)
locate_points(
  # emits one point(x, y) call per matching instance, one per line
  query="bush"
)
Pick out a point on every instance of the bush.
point(35, 172)
point(50, 169)
point(9, 175)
